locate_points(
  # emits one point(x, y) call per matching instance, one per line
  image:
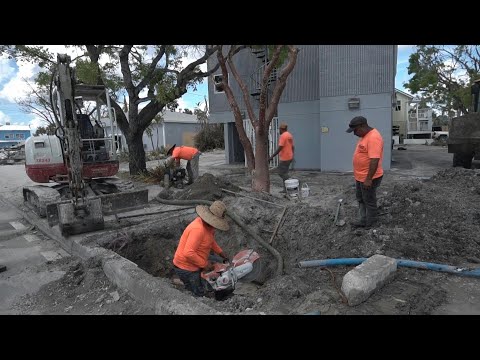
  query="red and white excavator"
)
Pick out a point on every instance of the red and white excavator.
point(79, 159)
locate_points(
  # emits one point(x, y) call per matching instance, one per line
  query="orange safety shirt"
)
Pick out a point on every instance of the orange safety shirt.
point(195, 245)
point(368, 147)
point(184, 152)
point(286, 141)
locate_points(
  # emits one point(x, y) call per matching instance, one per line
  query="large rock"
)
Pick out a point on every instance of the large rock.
point(361, 282)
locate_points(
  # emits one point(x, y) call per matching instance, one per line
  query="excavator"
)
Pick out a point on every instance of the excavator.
point(464, 133)
point(78, 163)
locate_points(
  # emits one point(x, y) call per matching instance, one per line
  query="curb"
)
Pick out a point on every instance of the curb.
point(155, 293)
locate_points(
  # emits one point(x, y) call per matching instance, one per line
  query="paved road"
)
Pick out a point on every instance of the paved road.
point(24, 252)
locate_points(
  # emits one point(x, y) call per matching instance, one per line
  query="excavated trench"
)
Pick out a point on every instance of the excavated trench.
point(430, 220)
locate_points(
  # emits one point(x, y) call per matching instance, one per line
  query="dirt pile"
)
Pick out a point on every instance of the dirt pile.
point(206, 187)
point(433, 220)
point(84, 289)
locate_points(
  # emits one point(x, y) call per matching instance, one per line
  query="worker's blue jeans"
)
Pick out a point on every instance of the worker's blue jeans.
point(367, 201)
point(192, 281)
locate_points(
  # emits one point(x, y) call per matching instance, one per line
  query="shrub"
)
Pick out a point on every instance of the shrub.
point(210, 137)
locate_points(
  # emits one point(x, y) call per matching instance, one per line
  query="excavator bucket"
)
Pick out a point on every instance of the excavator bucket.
point(80, 219)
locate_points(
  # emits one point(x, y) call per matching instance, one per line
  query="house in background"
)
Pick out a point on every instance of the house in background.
point(419, 124)
point(329, 85)
point(400, 114)
point(13, 134)
point(176, 128)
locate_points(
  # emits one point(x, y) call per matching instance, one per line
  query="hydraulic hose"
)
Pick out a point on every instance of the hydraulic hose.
point(400, 262)
point(239, 222)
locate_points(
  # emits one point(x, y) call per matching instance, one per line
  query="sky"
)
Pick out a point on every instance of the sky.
point(13, 85)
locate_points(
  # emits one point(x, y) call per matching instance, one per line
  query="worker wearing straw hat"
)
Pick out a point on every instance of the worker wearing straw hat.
point(196, 243)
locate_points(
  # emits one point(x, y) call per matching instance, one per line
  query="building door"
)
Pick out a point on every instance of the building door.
point(236, 154)
point(336, 145)
point(273, 136)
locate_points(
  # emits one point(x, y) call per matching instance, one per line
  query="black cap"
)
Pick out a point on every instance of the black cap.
point(169, 152)
point(356, 121)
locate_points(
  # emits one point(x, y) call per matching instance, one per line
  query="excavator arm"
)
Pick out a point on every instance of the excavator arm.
point(81, 214)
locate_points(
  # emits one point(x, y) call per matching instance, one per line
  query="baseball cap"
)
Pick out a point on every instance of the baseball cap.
point(356, 121)
point(283, 125)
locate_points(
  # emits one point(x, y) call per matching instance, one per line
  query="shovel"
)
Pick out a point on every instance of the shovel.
point(338, 221)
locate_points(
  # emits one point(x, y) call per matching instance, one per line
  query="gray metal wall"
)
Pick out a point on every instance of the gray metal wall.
point(173, 134)
point(315, 101)
point(318, 128)
point(321, 70)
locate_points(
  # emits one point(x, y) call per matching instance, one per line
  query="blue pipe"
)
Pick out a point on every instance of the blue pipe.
point(400, 262)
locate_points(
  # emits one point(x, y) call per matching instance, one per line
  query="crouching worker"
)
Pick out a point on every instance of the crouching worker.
point(198, 239)
point(191, 154)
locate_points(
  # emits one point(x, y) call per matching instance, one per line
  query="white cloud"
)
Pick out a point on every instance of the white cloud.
point(4, 118)
point(5, 69)
point(16, 86)
point(192, 55)
point(36, 122)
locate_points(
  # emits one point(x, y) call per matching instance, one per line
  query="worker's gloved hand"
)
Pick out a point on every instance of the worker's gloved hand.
point(208, 267)
point(225, 257)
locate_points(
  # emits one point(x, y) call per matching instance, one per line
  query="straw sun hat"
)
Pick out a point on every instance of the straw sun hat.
point(214, 215)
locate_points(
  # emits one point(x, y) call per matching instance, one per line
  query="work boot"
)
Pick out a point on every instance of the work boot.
point(370, 225)
point(357, 224)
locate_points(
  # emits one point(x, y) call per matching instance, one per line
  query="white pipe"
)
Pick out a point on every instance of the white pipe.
point(110, 116)
point(163, 134)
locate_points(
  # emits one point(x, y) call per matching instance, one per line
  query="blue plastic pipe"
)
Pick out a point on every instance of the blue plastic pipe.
point(400, 262)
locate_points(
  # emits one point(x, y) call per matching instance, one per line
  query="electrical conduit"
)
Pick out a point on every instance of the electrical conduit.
point(400, 262)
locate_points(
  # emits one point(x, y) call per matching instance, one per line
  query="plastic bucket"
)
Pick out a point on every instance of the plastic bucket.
point(305, 190)
point(291, 185)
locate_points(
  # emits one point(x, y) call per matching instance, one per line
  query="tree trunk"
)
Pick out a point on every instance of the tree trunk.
point(136, 153)
point(261, 175)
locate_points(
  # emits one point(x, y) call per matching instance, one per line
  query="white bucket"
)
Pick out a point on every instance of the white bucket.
point(291, 186)
point(305, 190)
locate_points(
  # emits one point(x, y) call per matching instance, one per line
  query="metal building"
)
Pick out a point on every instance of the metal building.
point(329, 85)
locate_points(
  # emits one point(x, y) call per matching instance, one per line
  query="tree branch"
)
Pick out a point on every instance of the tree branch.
point(151, 69)
point(243, 87)
point(281, 82)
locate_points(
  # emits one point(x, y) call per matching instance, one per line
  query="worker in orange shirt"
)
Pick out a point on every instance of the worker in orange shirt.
point(367, 170)
point(191, 154)
point(286, 150)
point(198, 239)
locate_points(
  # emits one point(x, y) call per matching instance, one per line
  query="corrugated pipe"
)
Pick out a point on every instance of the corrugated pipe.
point(400, 262)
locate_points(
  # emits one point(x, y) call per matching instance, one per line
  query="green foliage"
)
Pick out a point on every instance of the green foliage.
point(87, 72)
point(45, 130)
point(210, 137)
point(443, 74)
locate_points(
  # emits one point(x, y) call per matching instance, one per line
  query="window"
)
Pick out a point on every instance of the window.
point(19, 136)
point(218, 86)
point(399, 105)
point(7, 136)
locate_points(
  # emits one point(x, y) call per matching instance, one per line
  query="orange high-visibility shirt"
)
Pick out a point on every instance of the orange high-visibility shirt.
point(368, 147)
point(195, 245)
point(184, 152)
point(286, 141)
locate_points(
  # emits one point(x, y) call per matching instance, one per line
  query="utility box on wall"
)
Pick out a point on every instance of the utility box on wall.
point(354, 103)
